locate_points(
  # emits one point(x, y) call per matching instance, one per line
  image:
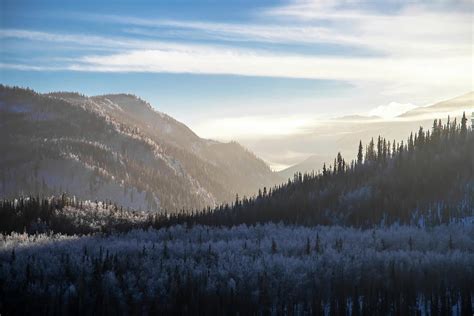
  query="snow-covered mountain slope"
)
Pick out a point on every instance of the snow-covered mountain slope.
point(117, 147)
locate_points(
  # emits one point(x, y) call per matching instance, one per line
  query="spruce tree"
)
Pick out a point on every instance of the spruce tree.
point(379, 148)
point(411, 144)
point(421, 136)
point(463, 125)
point(371, 151)
point(394, 148)
point(360, 156)
point(339, 162)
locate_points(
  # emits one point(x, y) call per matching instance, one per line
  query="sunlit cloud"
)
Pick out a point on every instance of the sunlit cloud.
point(100, 42)
point(158, 56)
point(416, 72)
point(391, 110)
point(416, 30)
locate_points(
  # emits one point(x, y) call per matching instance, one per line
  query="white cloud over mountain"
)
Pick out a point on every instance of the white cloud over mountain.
point(391, 110)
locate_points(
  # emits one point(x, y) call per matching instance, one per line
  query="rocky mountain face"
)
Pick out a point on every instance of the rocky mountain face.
point(117, 148)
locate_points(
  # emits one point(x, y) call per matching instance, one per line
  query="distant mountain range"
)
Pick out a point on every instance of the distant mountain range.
point(343, 134)
point(454, 106)
point(117, 148)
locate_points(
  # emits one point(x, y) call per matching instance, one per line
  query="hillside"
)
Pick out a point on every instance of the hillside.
point(249, 270)
point(118, 148)
point(311, 163)
point(427, 179)
point(454, 106)
point(324, 141)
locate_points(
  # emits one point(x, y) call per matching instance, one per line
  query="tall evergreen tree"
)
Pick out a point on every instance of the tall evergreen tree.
point(360, 156)
point(463, 125)
point(379, 148)
point(339, 163)
point(411, 143)
point(394, 148)
point(371, 156)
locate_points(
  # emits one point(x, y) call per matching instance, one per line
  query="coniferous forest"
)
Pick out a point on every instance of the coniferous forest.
point(390, 232)
point(426, 179)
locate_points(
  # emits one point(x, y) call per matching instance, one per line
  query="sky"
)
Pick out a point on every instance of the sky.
point(248, 69)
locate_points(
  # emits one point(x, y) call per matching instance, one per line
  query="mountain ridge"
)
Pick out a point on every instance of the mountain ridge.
point(117, 147)
point(465, 101)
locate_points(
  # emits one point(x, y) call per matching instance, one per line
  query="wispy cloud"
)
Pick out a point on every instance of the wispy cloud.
point(257, 32)
point(213, 60)
point(412, 31)
point(131, 55)
point(101, 42)
point(414, 45)
point(28, 67)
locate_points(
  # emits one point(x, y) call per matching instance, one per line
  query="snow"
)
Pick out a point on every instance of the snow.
point(142, 265)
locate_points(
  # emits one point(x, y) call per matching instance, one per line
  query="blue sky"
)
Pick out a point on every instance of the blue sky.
point(273, 65)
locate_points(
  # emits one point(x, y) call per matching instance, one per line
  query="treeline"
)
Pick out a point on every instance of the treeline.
point(427, 179)
point(68, 215)
point(258, 270)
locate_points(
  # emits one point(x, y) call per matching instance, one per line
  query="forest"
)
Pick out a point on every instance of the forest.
point(388, 233)
point(428, 179)
point(260, 269)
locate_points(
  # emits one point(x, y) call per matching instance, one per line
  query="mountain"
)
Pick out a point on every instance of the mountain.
point(322, 142)
point(429, 180)
point(454, 106)
point(309, 164)
point(117, 148)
